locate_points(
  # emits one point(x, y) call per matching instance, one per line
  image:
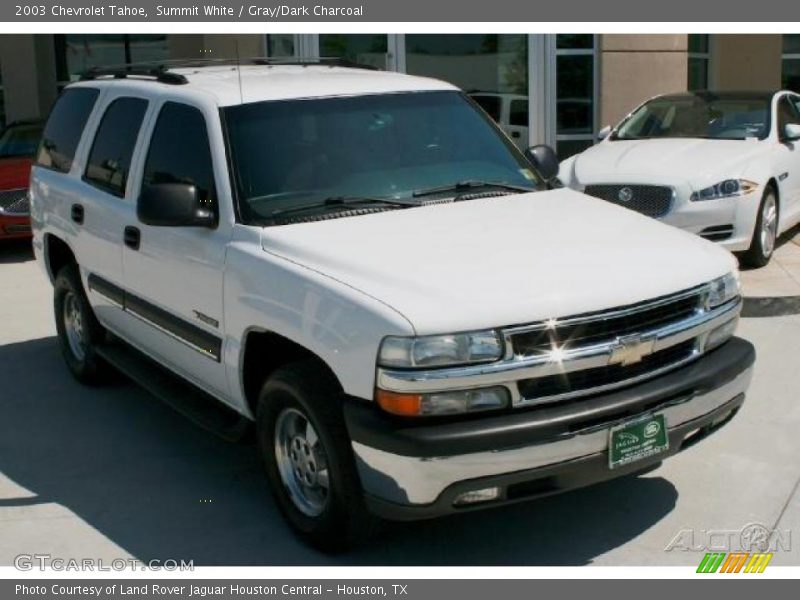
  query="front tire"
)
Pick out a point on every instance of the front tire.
point(308, 458)
point(79, 332)
point(765, 235)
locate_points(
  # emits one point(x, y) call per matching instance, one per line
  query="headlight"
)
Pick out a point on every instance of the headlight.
point(725, 189)
point(440, 350)
point(724, 289)
point(443, 403)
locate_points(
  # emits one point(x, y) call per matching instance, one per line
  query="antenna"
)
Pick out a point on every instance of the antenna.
point(239, 71)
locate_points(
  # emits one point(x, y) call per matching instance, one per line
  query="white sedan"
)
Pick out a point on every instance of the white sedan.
point(723, 165)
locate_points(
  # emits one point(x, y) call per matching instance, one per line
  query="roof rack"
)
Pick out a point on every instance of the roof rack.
point(161, 71)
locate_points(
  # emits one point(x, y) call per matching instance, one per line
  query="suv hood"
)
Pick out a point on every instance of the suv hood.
point(693, 160)
point(501, 261)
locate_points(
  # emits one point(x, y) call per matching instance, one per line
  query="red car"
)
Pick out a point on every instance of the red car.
point(18, 144)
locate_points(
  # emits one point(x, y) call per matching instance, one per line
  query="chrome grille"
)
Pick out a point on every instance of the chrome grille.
point(651, 200)
point(15, 202)
point(602, 377)
point(559, 359)
point(601, 327)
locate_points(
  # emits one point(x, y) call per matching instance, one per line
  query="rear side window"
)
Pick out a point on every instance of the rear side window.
point(65, 127)
point(491, 104)
point(179, 151)
point(519, 113)
point(110, 159)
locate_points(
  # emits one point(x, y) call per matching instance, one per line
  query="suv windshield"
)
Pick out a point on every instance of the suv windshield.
point(291, 154)
point(698, 116)
point(20, 140)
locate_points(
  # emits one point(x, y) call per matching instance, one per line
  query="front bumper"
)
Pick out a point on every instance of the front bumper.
point(412, 470)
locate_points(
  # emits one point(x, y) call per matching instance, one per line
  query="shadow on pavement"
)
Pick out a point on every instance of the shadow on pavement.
point(15, 251)
point(160, 488)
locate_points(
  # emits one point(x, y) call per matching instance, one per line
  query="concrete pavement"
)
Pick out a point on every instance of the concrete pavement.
point(112, 473)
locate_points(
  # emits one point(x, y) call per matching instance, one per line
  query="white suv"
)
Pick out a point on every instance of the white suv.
point(361, 263)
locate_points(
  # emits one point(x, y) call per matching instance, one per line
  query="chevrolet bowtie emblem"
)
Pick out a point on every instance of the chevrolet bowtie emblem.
point(631, 349)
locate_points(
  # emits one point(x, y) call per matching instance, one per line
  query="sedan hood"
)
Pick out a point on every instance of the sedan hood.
point(693, 160)
point(501, 261)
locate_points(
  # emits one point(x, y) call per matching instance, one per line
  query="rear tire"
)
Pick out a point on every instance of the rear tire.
point(308, 457)
point(765, 235)
point(79, 332)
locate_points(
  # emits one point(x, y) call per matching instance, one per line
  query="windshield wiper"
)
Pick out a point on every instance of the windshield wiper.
point(461, 186)
point(336, 201)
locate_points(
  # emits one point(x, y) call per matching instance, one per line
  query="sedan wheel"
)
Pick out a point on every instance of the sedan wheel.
point(769, 225)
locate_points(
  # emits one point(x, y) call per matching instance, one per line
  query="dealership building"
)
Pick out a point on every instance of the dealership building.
point(558, 89)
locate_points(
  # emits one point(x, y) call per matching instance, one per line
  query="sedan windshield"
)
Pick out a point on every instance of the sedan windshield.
point(698, 116)
point(319, 155)
point(20, 140)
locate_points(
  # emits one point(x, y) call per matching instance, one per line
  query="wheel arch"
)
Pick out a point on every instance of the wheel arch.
point(263, 352)
point(57, 254)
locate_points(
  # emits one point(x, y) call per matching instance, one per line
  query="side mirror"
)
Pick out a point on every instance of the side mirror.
point(544, 160)
point(173, 205)
point(604, 133)
point(791, 132)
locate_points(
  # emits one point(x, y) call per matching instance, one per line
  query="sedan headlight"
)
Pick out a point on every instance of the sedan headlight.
point(724, 289)
point(440, 350)
point(725, 189)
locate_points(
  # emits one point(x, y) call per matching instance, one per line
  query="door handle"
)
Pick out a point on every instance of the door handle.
point(76, 213)
point(515, 134)
point(132, 237)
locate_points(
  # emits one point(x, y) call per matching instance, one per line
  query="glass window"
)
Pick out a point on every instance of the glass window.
point(485, 66)
point(365, 49)
point(110, 158)
point(179, 151)
point(491, 104)
point(519, 112)
point(381, 145)
point(575, 93)
point(787, 114)
point(65, 127)
point(575, 41)
point(791, 62)
point(699, 58)
point(699, 115)
point(280, 45)
point(20, 139)
point(79, 52)
point(2, 100)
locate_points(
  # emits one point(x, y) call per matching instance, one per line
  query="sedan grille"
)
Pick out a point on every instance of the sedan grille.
point(15, 202)
point(651, 200)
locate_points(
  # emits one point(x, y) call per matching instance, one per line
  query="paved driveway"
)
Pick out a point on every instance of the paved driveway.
point(111, 472)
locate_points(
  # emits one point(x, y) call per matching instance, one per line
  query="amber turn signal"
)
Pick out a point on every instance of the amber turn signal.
point(406, 405)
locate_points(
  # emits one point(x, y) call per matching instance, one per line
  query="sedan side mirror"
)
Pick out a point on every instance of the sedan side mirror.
point(604, 133)
point(544, 160)
point(791, 132)
point(173, 205)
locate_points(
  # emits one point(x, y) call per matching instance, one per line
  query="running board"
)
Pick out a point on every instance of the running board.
point(199, 407)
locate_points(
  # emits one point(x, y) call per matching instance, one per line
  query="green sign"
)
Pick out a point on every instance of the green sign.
point(637, 440)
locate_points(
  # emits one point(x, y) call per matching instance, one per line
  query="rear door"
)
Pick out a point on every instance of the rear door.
point(174, 275)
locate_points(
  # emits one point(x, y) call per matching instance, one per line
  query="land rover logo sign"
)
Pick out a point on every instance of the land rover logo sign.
point(625, 195)
point(652, 429)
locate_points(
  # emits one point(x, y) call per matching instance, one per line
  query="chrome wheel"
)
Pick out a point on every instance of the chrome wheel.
point(302, 462)
point(769, 225)
point(73, 326)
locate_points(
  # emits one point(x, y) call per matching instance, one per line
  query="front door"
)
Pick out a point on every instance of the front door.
point(174, 275)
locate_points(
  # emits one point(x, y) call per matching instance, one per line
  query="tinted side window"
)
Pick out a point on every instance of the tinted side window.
point(179, 151)
point(112, 150)
point(491, 104)
point(519, 113)
point(787, 113)
point(65, 127)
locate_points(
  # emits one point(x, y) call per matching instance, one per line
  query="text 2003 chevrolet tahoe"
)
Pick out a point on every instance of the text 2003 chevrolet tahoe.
point(365, 266)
